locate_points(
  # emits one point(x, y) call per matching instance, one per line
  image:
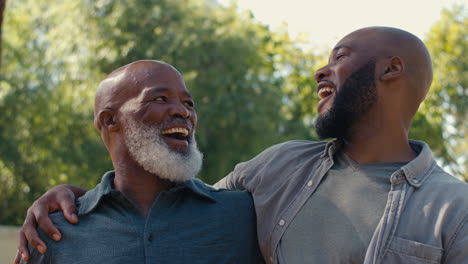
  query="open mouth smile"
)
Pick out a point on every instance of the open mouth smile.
point(325, 92)
point(180, 133)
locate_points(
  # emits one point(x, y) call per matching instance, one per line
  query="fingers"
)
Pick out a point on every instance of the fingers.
point(69, 210)
point(58, 198)
point(22, 248)
point(39, 214)
point(29, 233)
point(17, 258)
point(47, 226)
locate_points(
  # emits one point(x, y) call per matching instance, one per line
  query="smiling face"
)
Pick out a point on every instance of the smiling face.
point(146, 114)
point(161, 99)
point(355, 99)
point(347, 57)
point(346, 87)
point(375, 77)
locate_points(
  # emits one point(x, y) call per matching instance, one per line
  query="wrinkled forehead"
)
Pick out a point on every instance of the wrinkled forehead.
point(132, 80)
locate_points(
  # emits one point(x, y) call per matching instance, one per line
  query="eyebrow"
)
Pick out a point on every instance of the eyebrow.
point(150, 90)
point(153, 89)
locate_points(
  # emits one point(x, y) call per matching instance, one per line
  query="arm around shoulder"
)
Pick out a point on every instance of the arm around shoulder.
point(243, 177)
point(59, 198)
point(233, 181)
point(36, 257)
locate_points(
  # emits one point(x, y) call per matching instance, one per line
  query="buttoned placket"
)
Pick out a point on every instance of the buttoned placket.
point(307, 191)
point(390, 218)
point(155, 222)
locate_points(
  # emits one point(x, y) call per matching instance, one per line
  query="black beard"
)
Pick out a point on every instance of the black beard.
point(355, 98)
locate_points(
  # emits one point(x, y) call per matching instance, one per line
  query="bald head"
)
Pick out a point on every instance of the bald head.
point(126, 83)
point(387, 42)
point(374, 76)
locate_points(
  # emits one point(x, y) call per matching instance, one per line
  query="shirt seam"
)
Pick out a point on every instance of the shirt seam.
point(413, 256)
point(395, 221)
point(455, 236)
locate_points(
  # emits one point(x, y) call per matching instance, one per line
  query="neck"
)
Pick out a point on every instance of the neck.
point(140, 186)
point(383, 142)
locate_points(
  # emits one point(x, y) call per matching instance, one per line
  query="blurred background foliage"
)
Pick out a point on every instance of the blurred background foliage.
point(253, 87)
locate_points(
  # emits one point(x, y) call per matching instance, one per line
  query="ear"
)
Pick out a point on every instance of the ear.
point(392, 68)
point(107, 120)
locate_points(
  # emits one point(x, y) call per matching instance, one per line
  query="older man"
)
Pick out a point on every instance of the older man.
point(369, 196)
point(150, 209)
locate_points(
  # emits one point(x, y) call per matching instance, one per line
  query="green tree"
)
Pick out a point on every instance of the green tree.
point(56, 53)
point(445, 109)
point(228, 64)
point(2, 11)
point(253, 87)
point(45, 129)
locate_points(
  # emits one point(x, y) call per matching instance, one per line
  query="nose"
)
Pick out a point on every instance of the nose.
point(180, 110)
point(321, 73)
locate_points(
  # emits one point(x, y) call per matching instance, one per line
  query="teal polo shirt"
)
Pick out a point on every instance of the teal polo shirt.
point(189, 223)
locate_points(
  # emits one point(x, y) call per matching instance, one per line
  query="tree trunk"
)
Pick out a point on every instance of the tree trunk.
point(2, 9)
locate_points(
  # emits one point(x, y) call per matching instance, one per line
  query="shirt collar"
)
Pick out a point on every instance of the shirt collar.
point(92, 198)
point(197, 187)
point(415, 172)
point(331, 148)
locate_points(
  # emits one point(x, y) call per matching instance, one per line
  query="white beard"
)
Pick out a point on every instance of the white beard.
point(150, 151)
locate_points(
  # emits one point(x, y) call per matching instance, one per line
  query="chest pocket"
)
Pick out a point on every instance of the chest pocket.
point(407, 251)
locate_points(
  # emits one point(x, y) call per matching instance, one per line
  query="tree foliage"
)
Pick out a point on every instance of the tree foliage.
point(45, 101)
point(253, 87)
point(445, 109)
point(2, 11)
point(57, 52)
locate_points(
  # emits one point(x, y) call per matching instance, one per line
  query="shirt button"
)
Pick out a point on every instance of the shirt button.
point(415, 181)
point(150, 238)
point(282, 222)
point(309, 184)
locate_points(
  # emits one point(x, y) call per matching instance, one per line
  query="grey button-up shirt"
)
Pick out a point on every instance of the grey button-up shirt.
point(190, 223)
point(424, 220)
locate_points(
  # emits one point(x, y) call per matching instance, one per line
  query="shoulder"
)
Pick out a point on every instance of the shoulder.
point(445, 196)
point(296, 146)
point(65, 227)
point(230, 203)
point(285, 152)
point(53, 247)
point(232, 215)
point(441, 179)
point(274, 163)
point(230, 207)
point(443, 184)
point(224, 196)
point(59, 220)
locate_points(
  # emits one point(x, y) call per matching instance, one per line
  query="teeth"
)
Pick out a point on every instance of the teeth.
point(322, 91)
point(181, 130)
